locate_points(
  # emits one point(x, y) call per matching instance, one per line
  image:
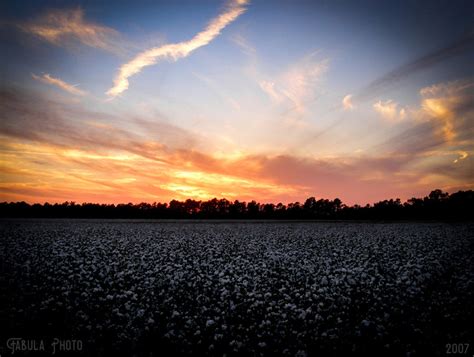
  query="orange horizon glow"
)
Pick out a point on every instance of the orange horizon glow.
point(54, 174)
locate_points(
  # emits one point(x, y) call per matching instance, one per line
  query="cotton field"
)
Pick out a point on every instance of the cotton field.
point(240, 288)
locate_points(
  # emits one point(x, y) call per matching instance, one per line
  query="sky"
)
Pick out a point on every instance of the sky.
point(149, 101)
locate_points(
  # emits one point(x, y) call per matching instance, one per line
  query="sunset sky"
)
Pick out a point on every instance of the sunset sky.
point(117, 101)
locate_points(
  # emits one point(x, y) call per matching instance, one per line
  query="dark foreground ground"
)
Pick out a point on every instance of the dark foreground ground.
point(207, 288)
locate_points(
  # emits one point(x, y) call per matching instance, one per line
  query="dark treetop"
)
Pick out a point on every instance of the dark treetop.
point(438, 205)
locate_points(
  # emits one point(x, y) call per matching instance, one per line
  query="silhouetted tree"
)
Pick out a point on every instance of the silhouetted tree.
point(253, 209)
point(268, 210)
point(237, 209)
point(437, 205)
point(192, 207)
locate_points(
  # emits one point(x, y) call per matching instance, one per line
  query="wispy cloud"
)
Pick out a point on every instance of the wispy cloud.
point(217, 90)
point(297, 84)
point(382, 83)
point(48, 79)
point(175, 51)
point(389, 110)
point(269, 88)
point(64, 27)
point(244, 45)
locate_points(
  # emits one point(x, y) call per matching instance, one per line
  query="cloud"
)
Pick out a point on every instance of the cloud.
point(97, 162)
point(48, 79)
point(76, 154)
point(385, 82)
point(438, 136)
point(64, 27)
point(69, 125)
point(347, 102)
point(380, 84)
point(244, 45)
point(297, 84)
point(449, 105)
point(462, 155)
point(389, 110)
point(269, 88)
point(447, 88)
point(369, 178)
point(218, 90)
point(175, 51)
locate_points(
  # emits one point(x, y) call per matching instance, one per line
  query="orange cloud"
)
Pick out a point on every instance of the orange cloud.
point(64, 27)
point(49, 153)
point(48, 79)
point(462, 155)
point(443, 103)
point(44, 172)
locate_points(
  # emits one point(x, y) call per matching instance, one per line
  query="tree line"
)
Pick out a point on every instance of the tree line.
point(438, 205)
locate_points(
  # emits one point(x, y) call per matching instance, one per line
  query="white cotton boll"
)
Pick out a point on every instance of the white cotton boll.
point(175, 314)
